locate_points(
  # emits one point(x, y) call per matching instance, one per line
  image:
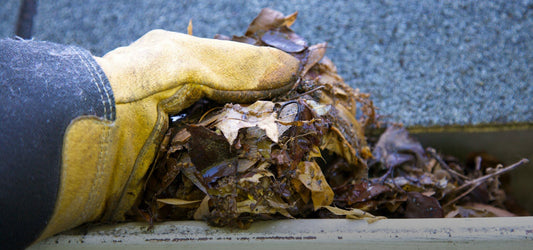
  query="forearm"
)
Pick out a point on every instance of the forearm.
point(43, 88)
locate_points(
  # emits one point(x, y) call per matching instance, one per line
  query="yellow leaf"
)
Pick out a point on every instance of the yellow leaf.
point(247, 205)
point(189, 27)
point(312, 178)
point(356, 214)
point(289, 20)
point(202, 211)
point(177, 202)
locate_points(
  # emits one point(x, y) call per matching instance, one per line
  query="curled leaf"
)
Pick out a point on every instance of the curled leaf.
point(269, 19)
point(356, 214)
point(202, 211)
point(316, 53)
point(395, 147)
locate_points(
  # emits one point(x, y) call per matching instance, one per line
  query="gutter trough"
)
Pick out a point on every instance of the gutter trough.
point(508, 143)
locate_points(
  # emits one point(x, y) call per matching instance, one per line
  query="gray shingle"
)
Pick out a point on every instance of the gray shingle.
point(425, 62)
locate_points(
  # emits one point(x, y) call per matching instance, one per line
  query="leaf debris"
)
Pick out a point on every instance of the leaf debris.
point(305, 155)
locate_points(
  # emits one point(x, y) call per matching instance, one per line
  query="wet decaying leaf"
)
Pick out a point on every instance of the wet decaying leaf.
point(305, 155)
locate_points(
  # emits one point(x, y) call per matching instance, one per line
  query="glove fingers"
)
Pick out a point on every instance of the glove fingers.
point(232, 66)
point(224, 70)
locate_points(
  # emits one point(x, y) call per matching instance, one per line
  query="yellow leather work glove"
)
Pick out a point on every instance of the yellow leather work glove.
point(105, 162)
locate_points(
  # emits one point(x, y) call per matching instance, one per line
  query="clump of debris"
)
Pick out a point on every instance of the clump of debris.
point(305, 155)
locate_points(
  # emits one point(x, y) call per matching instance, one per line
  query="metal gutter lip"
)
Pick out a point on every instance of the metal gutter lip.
point(486, 233)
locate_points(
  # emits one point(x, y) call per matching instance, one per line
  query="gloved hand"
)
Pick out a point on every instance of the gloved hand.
point(104, 162)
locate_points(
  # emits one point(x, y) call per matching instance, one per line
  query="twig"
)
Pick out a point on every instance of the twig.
point(499, 172)
point(434, 154)
point(462, 195)
point(478, 163)
point(382, 179)
point(308, 92)
point(476, 182)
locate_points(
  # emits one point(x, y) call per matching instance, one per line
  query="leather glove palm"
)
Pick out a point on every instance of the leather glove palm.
point(104, 162)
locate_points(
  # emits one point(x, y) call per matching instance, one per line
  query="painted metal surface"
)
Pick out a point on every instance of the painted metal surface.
point(477, 233)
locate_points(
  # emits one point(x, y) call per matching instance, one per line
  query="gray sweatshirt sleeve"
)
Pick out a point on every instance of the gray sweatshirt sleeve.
point(43, 87)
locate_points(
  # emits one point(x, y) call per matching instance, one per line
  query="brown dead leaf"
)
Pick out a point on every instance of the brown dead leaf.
point(206, 142)
point(395, 147)
point(420, 206)
point(289, 43)
point(260, 114)
point(310, 175)
point(266, 20)
point(316, 53)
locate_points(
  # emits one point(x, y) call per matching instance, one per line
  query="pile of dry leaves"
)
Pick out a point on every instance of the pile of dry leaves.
point(305, 155)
